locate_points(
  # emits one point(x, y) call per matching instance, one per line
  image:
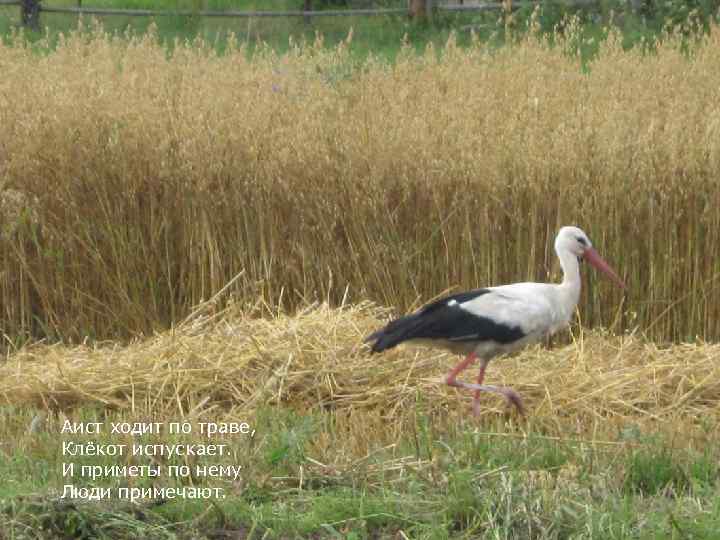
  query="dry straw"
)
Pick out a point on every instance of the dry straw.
point(150, 179)
point(233, 362)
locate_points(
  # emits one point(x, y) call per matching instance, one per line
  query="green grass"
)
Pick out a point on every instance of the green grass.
point(378, 35)
point(439, 481)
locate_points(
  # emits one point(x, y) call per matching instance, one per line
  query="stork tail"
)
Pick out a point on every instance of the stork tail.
point(393, 333)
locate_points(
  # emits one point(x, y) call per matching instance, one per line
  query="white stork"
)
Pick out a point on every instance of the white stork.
point(489, 322)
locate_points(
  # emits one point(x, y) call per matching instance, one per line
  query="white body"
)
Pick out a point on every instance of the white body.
point(538, 309)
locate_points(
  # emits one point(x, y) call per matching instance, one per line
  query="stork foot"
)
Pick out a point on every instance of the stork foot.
point(513, 397)
point(508, 393)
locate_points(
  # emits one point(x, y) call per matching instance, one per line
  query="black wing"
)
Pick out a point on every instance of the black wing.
point(444, 320)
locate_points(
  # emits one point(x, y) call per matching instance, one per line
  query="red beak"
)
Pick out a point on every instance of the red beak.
point(597, 261)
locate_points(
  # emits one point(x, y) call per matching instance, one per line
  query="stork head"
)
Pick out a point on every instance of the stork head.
point(574, 240)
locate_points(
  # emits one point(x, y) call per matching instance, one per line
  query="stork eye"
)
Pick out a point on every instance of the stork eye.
point(581, 240)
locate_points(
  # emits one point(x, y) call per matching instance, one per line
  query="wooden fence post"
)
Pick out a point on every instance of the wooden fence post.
point(307, 6)
point(30, 14)
point(417, 9)
point(421, 9)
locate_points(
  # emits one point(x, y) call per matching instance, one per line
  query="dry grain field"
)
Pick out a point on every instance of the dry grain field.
point(193, 236)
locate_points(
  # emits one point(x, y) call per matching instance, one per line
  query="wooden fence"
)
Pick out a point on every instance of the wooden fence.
point(31, 9)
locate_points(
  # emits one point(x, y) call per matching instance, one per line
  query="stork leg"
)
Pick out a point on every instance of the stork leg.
point(511, 395)
point(508, 393)
point(476, 396)
point(450, 379)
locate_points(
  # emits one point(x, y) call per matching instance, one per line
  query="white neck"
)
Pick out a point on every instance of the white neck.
point(571, 274)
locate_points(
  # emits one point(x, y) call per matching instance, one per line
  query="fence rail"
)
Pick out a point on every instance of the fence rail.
point(31, 9)
point(201, 13)
point(490, 6)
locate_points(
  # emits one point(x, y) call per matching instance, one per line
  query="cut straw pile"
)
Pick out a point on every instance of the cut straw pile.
point(316, 360)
